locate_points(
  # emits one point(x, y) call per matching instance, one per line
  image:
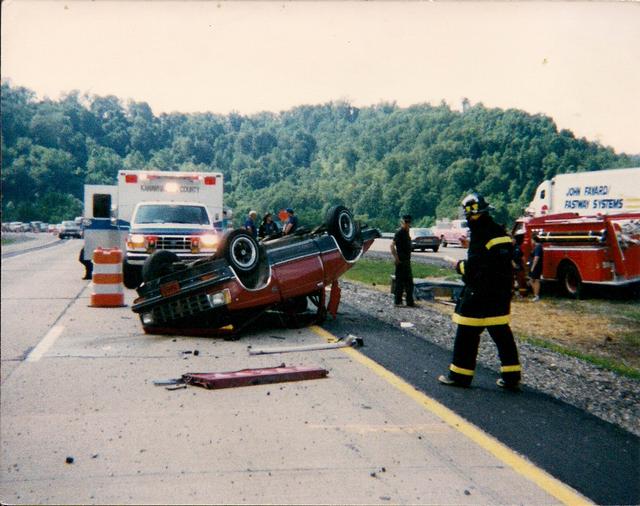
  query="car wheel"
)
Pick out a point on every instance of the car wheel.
point(341, 225)
point(571, 281)
point(435, 249)
point(157, 265)
point(241, 251)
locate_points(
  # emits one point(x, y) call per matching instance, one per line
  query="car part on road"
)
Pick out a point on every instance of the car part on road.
point(249, 377)
point(349, 341)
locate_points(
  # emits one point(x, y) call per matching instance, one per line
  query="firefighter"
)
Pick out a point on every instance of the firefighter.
point(485, 300)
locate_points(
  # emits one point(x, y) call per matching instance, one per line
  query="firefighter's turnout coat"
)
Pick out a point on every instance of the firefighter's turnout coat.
point(487, 275)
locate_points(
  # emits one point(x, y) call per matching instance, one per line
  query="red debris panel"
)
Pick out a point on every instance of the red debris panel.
point(248, 377)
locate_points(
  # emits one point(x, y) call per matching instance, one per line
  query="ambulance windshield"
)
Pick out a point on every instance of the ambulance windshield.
point(162, 213)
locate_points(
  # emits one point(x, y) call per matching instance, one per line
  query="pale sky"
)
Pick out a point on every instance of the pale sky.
point(576, 62)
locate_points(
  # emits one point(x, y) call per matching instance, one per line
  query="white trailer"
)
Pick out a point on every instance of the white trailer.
point(588, 193)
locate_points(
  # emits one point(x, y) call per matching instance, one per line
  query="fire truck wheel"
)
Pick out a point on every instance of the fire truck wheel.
point(158, 265)
point(571, 281)
point(241, 251)
point(131, 275)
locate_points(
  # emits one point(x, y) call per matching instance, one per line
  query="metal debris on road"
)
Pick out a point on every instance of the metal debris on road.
point(249, 377)
point(349, 341)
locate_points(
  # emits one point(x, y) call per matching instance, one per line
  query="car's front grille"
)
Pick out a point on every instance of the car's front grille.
point(173, 242)
point(180, 308)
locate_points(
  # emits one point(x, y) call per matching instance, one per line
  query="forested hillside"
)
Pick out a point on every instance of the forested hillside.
point(381, 161)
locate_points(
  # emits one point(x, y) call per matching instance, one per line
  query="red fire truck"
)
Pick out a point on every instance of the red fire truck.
point(579, 250)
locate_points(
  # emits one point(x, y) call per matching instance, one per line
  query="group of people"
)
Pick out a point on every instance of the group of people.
point(268, 227)
point(485, 301)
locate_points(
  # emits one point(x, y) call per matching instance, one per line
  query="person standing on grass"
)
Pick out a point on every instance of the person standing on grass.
point(401, 251)
point(485, 301)
point(535, 272)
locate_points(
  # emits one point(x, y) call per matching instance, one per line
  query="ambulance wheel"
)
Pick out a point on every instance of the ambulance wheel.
point(241, 251)
point(158, 265)
point(571, 281)
point(341, 225)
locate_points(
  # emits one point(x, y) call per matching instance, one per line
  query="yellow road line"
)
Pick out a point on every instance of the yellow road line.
point(544, 480)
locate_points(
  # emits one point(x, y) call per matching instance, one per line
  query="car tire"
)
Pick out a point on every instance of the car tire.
point(341, 225)
point(435, 249)
point(158, 264)
point(241, 251)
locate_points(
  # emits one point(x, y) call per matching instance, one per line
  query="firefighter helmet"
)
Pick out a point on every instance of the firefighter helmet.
point(473, 204)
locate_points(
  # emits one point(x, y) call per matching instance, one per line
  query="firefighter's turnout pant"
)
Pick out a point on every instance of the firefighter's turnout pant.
point(465, 352)
point(404, 282)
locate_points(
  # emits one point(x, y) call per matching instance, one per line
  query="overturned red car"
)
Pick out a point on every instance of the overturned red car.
point(246, 278)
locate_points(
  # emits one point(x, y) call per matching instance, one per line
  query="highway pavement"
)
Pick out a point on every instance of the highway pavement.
point(82, 421)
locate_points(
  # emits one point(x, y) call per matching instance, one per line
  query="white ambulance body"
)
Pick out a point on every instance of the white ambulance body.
point(152, 210)
point(135, 186)
point(588, 193)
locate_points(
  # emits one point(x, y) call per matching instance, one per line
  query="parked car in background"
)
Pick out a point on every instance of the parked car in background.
point(69, 229)
point(452, 232)
point(423, 239)
point(17, 226)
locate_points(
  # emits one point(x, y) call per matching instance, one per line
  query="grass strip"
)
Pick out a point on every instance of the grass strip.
point(602, 362)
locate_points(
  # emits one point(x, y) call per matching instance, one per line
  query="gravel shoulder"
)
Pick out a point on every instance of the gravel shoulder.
point(603, 393)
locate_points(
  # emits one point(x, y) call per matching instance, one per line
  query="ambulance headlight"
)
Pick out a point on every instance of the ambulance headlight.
point(208, 241)
point(147, 318)
point(135, 241)
point(219, 298)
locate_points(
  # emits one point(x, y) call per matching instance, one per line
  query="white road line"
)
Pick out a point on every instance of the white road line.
point(46, 343)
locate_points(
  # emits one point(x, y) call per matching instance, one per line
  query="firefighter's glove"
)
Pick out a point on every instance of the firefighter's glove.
point(460, 267)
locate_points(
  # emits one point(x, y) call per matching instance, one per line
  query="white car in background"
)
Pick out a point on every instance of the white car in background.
point(69, 229)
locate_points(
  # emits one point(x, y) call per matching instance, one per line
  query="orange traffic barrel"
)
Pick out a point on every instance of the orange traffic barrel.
point(108, 290)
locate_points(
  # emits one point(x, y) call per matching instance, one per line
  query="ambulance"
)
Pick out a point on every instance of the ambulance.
point(146, 211)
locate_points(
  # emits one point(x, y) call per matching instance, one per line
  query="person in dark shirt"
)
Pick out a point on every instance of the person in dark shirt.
point(401, 251)
point(292, 223)
point(268, 227)
point(535, 271)
point(250, 223)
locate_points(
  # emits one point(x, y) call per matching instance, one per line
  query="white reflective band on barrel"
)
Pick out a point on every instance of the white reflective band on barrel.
point(107, 289)
point(107, 268)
